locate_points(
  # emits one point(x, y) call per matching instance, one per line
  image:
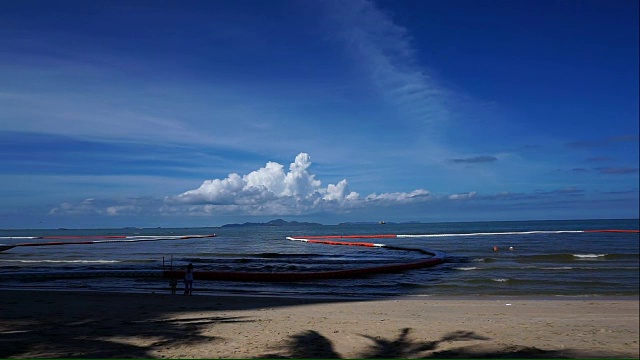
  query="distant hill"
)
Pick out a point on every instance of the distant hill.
point(277, 222)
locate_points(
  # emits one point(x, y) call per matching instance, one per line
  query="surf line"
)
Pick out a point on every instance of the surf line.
point(435, 258)
point(398, 236)
point(100, 239)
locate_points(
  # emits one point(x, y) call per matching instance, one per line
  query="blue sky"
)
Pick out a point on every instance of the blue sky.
point(202, 113)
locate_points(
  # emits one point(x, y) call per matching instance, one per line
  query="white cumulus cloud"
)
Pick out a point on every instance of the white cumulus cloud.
point(271, 190)
point(267, 185)
point(268, 191)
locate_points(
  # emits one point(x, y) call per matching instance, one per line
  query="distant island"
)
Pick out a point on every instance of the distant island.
point(277, 222)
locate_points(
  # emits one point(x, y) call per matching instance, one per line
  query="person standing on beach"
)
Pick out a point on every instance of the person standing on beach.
point(173, 283)
point(188, 280)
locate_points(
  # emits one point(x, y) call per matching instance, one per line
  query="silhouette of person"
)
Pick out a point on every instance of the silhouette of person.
point(188, 280)
point(173, 282)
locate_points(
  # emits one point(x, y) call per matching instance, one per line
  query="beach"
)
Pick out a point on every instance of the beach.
point(47, 324)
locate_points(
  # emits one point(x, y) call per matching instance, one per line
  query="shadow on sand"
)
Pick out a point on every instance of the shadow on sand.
point(37, 324)
point(311, 344)
point(68, 325)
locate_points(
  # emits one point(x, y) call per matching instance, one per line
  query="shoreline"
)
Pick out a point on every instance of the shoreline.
point(208, 294)
point(38, 324)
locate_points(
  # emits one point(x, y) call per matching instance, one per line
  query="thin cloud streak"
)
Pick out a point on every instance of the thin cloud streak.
point(618, 170)
point(604, 142)
point(475, 160)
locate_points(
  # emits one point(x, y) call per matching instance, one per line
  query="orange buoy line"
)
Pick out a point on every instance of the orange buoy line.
point(379, 236)
point(101, 239)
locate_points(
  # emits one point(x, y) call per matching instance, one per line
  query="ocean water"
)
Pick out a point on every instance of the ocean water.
point(548, 262)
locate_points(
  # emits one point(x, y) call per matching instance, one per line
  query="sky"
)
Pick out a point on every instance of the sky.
point(203, 113)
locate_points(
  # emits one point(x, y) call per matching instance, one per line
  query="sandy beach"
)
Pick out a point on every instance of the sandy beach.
point(39, 324)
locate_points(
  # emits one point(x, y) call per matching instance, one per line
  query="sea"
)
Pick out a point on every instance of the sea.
point(506, 258)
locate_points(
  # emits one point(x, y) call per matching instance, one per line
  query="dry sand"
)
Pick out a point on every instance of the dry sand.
point(38, 324)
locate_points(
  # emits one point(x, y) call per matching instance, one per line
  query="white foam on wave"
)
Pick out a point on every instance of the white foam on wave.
point(500, 280)
point(557, 268)
point(65, 261)
point(589, 256)
point(466, 268)
point(495, 233)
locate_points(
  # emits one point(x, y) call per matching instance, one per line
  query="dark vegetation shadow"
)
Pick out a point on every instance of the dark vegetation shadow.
point(403, 346)
point(305, 345)
point(311, 344)
point(39, 327)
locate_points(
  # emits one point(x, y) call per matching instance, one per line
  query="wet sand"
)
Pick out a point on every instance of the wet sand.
point(39, 324)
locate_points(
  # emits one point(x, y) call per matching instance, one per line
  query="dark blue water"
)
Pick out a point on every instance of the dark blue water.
point(545, 264)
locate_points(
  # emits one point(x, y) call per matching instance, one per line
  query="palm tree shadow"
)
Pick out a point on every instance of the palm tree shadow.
point(311, 344)
point(404, 347)
point(401, 347)
point(305, 345)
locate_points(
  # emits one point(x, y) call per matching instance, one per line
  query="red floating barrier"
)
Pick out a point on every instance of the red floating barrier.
point(382, 236)
point(82, 237)
point(301, 276)
point(342, 243)
point(437, 258)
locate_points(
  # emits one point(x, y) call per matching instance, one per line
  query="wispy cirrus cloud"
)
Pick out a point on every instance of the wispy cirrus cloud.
point(387, 52)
